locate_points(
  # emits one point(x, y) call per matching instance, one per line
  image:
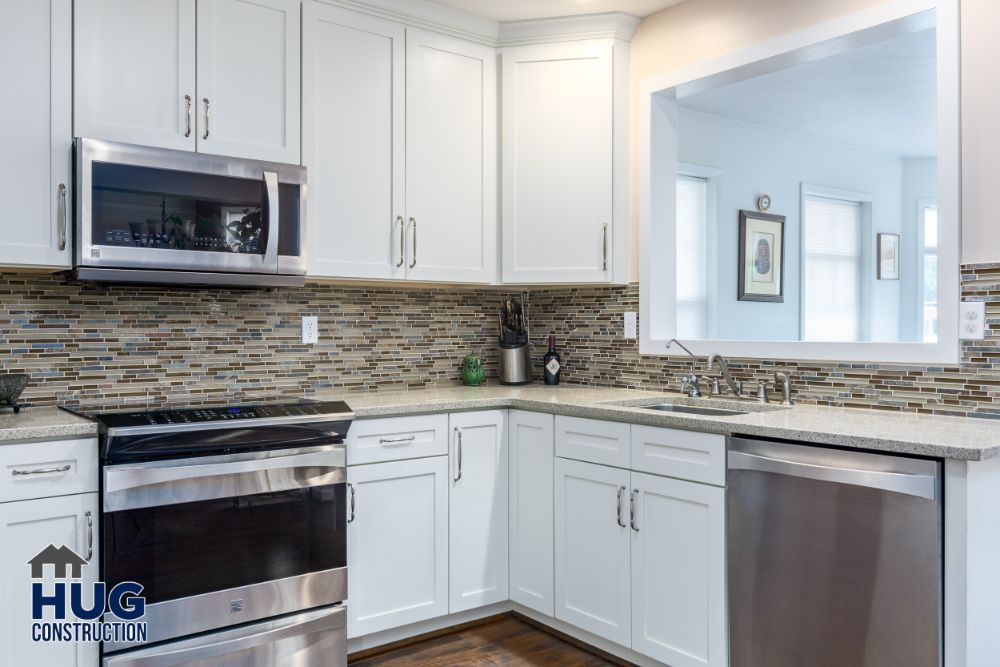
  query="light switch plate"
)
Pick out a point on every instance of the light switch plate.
point(631, 332)
point(310, 329)
point(972, 320)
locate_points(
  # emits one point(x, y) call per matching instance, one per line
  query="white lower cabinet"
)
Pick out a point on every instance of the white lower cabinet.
point(397, 542)
point(592, 545)
point(478, 509)
point(678, 572)
point(27, 527)
point(531, 523)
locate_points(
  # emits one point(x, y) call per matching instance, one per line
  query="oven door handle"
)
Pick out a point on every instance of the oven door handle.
point(273, 219)
point(135, 486)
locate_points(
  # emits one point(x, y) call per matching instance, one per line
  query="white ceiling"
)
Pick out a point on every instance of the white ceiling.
point(515, 10)
point(880, 97)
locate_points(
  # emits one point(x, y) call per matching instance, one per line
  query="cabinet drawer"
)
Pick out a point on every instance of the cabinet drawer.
point(41, 470)
point(397, 438)
point(593, 440)
point(698, 457)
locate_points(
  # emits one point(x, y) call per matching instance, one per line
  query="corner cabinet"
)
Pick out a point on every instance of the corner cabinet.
point(219, 76)
point(35, 162)
point(399, 136)
point(564, 173)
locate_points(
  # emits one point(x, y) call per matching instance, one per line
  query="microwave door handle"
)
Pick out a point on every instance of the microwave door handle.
point(273, 222)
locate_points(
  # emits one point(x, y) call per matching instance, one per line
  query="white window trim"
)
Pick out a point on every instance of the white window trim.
point(919, 315)
point(657, 119)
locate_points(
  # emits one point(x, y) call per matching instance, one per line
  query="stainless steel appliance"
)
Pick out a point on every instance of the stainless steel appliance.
point(156, 215)
point(514, 349)
point(233, 520)
point(835, 557)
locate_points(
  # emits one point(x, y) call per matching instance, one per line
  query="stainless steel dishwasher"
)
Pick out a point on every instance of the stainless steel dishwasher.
point(834, 557)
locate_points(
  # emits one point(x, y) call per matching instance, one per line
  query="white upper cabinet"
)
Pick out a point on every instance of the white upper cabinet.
point(561, 118)
point(353, 128)
point(134, 71)
point(248, 79)
point(36, 135)
point(450, 158)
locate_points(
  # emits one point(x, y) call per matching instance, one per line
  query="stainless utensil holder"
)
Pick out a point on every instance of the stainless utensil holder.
point(515, 364)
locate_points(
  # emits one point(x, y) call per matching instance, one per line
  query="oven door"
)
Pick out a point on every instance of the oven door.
point(222, 540)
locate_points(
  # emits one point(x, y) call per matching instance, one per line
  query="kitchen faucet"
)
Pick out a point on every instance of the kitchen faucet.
point(735, 386)
point(689, 383)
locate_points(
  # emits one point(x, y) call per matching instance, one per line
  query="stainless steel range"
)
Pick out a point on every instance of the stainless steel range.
point(233, 520)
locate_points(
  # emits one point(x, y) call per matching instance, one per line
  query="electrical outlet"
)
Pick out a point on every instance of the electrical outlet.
point(310, 329)
point(631, 332)
point(972, 320)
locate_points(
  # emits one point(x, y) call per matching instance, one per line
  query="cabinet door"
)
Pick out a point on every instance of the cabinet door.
point(478, 509)
point(397, 544)
point(353, 124)
point(450, 158)
point(592, 549)
point(531, 508)
point(249, 79)
point(27, 527)
point(678, 572)
point(36, 62)
point(134, 70)
point(557, 162)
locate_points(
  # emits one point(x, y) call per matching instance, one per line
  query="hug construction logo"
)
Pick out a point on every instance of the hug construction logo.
point(124, 603)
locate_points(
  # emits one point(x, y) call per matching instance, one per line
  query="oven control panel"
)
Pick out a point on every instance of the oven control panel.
point(229, 413)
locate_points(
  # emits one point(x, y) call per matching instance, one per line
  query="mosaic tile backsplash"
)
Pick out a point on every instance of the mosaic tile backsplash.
point(125, 344)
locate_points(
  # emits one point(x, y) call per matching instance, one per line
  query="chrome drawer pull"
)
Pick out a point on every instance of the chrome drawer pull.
point(604, 248)
point(41, 471)
point(631, 509)
point(187, 105)
point(458, 453)
point(61, 215)
point(618, 514)
point(351, 488)
point(402, 240)
point(396, 441)
point(206, 102)
point(90, 535)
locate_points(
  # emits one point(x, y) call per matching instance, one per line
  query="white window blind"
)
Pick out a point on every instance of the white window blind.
point(692, 256)
point(929, 278)
point(832, 269)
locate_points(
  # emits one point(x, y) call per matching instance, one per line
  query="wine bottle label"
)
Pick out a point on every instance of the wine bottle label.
point(552, 366)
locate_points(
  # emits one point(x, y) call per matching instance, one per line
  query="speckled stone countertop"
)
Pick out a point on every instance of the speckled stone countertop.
point(43, 424)
point(905, 433)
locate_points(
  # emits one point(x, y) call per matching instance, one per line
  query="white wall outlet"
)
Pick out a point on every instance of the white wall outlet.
point(972, 320)
point(631, 332)
point(310, 329)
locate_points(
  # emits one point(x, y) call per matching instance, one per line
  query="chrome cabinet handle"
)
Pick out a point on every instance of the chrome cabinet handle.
point(90, 535)
point(413, 261)
point(396, 441)
point(187, 112)
point(618, 514)
point(206, 103)
point(604, 248)
point(458, 453)
point(402, 240)
point(41, 471)
point(631, 509)
point(61, 215)
point(353, 502)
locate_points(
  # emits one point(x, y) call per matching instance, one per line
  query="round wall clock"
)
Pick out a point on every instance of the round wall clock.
point(764, 202)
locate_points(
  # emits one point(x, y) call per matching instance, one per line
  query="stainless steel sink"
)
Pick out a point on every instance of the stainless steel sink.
point(695, 410)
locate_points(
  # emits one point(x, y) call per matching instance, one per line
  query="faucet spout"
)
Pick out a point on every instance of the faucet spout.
point(734, 386)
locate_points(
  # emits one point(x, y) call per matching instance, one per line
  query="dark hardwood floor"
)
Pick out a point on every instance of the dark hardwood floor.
point(506, 640)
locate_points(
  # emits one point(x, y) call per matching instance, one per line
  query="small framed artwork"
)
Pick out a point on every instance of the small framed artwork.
point(888, 256)
point(762, 257)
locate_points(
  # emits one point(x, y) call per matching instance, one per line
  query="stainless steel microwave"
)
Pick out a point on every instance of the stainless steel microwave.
point(165, 216)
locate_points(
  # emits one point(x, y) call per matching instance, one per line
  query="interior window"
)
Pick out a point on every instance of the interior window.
point(692, 239)
point(928, 290)
point(831, 269)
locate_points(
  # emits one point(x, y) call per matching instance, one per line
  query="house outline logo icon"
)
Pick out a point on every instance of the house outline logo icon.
point(62, 559)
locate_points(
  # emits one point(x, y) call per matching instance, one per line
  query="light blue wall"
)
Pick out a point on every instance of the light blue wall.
point(753, 159)
point(919, 182)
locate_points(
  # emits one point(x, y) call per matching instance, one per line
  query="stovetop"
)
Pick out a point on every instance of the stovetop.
point(222, 415)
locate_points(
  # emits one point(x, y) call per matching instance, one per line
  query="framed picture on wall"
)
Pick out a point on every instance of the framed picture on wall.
point(888, 256)
point(762, 257)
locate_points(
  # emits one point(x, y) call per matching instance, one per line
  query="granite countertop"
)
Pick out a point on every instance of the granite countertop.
point(906, 433)
point(48, 423)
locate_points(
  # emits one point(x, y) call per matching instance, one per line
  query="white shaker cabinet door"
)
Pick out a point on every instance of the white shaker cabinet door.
point(353, 116)
point(36, 132)
point(592, 549)
point(249, 83)
point(397, 544)
point(678, 572)
point(451, 117)
point(27, 527)
point(557, 153)
point(531, 509)
point(478, 509)
point(134, 72)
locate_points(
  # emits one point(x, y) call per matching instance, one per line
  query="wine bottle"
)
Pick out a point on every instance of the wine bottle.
point(552, 363)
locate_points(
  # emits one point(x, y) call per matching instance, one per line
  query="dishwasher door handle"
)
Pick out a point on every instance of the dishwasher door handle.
point(922, 486)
